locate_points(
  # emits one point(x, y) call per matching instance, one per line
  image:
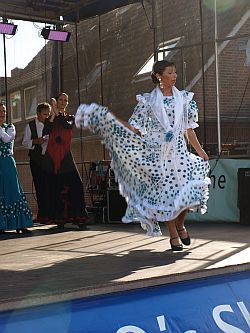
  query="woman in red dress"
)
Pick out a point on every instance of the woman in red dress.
point(65, 194)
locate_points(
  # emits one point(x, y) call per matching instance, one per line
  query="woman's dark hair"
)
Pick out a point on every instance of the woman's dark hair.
point(158, 68)
point(60, 94)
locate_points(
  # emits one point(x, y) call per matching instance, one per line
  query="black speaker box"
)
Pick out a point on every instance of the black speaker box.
point(116, 205)
point(244, 195)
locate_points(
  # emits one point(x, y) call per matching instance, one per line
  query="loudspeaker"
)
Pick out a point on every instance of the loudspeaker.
point(244, 195)
point(116, 205)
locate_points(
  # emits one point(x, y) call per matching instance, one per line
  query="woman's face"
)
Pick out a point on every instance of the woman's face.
point(2, 114)
point(62, 102)
point(168, 77)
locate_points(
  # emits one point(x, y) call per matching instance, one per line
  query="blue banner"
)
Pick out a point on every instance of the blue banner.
point(216, 304)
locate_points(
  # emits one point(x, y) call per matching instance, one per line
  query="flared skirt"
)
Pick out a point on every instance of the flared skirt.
point(158, 183)
point(14, 210)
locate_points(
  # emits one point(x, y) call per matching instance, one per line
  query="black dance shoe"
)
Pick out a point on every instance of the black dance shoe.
point(186, 240)
point(24, 231)
point(178, 247)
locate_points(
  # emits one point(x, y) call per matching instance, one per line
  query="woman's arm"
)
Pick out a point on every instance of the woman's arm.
point(54, 110)
point(8, 135)
point(126, 124)
point(192, 138)
point(67, 121)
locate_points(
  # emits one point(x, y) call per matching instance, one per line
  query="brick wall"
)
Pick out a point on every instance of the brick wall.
point(127, 41)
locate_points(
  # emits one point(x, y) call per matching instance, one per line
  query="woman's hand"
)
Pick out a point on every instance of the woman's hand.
point(54, 110)
point(192, 138)
point(201, 152)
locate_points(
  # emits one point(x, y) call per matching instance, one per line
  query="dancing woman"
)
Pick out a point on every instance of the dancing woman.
point(160, 179)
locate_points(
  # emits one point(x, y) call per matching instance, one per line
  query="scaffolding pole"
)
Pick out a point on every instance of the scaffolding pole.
point(217, 76)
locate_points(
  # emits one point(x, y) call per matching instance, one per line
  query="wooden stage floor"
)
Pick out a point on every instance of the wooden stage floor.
point(53, 265)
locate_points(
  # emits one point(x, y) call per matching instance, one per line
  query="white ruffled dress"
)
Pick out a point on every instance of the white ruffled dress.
point(157, 174)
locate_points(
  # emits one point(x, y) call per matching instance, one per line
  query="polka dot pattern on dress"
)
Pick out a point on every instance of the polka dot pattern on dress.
point(159, 179)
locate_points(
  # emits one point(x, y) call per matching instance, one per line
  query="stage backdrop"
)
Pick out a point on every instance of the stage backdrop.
point(222, 203)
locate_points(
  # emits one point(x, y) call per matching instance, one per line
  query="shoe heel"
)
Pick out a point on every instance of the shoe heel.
point(185, 241)
point(178, 247)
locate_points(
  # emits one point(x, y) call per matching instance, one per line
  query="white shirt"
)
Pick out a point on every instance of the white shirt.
point(27, 141)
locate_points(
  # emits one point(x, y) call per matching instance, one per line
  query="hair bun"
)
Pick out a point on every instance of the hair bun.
point(154, 78)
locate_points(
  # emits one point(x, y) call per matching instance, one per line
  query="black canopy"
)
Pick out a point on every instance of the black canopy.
point(52, 10)
point(98, 7)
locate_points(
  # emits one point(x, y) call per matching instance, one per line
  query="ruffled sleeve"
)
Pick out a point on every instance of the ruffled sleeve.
point(67, 121)
point(140, 115)
point(192, 111)
point(8, 134)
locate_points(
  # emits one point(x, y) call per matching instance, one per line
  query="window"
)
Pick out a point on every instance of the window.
point(30, 101)
point(93, 75)
point(167, 53)
point(15, 106)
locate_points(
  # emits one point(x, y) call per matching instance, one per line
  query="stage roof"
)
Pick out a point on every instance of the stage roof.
point(51, 10)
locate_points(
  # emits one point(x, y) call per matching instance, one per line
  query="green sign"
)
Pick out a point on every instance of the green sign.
point(223, 191)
